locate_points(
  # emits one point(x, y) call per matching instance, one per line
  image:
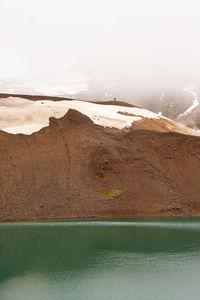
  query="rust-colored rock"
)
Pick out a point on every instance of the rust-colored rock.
point(75, 169)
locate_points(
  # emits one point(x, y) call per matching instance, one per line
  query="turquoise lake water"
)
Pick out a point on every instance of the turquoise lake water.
point(134, 259)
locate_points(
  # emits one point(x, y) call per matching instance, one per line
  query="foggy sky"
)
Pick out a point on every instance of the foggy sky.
point(145, 40)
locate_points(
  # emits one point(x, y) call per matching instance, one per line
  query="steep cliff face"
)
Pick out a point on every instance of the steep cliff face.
point(76, 169)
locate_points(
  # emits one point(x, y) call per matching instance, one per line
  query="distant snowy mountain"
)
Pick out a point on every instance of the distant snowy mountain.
point(191, 117)
point(195, 102)
point(179, 103)
point(64, 83)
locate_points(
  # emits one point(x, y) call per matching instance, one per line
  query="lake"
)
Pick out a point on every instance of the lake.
point(133, 259)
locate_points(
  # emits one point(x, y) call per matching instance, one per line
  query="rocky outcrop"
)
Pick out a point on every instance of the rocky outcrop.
point(76, 169)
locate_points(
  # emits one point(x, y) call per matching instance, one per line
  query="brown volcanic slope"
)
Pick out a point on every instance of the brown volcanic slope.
point(76, 169)
point(52, 98)
point(34, 97)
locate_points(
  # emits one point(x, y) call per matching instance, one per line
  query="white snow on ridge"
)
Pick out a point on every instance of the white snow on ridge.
point(25, 129)
point(195, 102)
point(24, 116)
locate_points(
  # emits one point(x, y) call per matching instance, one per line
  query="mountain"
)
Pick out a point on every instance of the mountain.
point(191, 116)
point(21, 115)
point(59, 84)
point(171, 102)
point(92, 160)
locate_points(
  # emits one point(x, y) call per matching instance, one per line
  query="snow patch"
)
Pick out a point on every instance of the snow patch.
point(24, 116)
point(195, 101)
point(24, 129)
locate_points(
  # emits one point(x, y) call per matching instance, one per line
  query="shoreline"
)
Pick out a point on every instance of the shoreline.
point(102, 219)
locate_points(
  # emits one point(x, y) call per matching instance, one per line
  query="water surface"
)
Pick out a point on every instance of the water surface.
point(134, 259)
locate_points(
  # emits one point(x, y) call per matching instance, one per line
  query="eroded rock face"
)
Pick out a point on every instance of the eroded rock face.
point(76, 169)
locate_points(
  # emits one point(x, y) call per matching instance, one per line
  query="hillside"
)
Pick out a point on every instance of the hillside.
point(86, 166)
point(22, 115)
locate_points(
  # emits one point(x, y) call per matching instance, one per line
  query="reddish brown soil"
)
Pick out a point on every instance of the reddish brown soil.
point(68, 169)
point(52, 98)
point(118, 103)
point(34, 97)
point(162, 125)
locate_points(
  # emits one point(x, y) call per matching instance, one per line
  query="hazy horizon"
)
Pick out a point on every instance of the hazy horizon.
point(146, 42)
